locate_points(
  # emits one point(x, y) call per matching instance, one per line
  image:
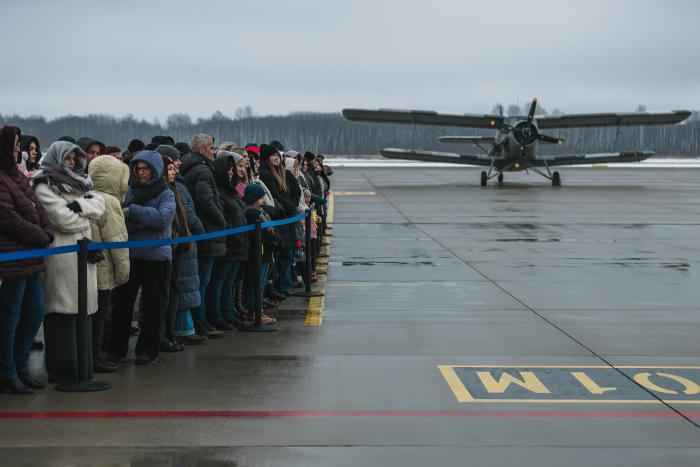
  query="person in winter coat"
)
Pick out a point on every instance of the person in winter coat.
point(198, 171)
point(286, 192)
point(253, 202)
point(187, 282)
point(65, 191)
point(220, 296)
point(110, 178)
point(23, 226)
point(92, 147)
point(149, 209)
point(30, 145)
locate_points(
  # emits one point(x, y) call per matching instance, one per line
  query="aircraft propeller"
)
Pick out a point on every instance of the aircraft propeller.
point(526, 132)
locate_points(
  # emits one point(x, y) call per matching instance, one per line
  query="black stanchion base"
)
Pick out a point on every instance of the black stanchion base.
point(85, 386)
point(261, 328)
point(313, 293)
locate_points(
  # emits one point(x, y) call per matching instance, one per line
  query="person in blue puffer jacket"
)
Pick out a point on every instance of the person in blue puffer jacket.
point(149, 209)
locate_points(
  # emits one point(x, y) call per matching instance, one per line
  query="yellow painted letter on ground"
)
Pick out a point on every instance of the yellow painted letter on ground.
point(691, 387)
point(529, 381)
point(589, 384)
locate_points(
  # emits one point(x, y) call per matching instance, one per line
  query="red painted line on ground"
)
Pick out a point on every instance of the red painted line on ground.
point(345, 413)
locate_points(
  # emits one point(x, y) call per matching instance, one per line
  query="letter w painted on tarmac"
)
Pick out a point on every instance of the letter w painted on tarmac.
point(528, 381)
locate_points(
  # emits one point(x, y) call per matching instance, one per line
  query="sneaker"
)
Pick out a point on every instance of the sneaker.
point(104, 366)
point(194, 339)
point(213, 333)
point(222, 325)
point(144, 360)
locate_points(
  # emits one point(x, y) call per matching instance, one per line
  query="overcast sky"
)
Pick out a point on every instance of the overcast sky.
point(152, 58)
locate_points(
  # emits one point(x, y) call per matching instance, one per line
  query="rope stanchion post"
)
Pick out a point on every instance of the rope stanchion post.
point(83, 332)
point(309, 258)
point(258, 287)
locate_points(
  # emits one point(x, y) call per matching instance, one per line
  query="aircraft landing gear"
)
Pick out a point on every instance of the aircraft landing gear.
point(500, 178)
point(484, 178)
point(556, 180)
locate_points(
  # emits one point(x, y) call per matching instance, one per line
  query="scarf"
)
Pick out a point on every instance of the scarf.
point(63, 181)
point(142, 192)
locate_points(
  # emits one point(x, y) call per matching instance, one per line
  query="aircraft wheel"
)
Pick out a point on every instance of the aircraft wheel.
point(484, 178)
point(556, 179)
point(500, 178)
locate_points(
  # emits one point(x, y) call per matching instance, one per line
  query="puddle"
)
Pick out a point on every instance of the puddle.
point(395, 263)
point(527, 239)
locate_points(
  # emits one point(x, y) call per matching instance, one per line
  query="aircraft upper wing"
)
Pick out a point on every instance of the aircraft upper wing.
point(612, 119)
point(423, 117)
point(431, 156)
point(602, 158)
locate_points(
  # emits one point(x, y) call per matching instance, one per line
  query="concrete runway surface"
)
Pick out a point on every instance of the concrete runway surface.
point(507, 325)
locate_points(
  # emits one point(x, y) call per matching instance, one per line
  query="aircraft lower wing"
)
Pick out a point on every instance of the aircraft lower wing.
point(612, 119)
point(603, 158)
point(467, 139)
point(423, 117)
point(431, 156)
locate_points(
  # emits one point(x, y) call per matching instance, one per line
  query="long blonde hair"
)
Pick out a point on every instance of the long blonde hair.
point(279, 172)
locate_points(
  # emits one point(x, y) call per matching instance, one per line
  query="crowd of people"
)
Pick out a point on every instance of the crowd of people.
point(184, 293)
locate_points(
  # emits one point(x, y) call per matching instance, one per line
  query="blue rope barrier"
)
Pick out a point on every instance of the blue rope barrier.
point(27, 254)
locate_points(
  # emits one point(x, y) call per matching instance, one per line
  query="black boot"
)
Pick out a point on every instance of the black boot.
point(13, 385)
point(30, 382)
point(239, 299)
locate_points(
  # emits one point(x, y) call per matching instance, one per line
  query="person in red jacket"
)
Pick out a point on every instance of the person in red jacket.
point(23, 226)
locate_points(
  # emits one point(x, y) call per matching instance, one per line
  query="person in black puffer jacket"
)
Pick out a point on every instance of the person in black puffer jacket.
point(198, 171)
point(220, 296)
point(285, 191)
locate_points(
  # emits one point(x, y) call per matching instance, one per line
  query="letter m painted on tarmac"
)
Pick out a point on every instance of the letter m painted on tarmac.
point(527, 380)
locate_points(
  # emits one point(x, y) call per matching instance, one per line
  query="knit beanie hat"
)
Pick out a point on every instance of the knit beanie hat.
point(160, 139)
point(236, 157)
point(168, 150)
point(184, 148)
point(277, 145)
point(266, 151)
point(135, 145)
point(309, 156)
point(252, 193)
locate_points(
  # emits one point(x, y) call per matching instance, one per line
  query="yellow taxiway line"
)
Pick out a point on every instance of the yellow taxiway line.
point(314, 313)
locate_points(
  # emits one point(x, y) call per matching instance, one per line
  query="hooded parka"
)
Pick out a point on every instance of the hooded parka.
point(61, 279)
point(199, 177)
point(110, 178)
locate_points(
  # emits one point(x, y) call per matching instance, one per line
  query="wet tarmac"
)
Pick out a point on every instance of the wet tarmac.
point(516, 324)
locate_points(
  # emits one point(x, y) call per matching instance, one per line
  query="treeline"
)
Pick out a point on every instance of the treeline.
point(330, 133)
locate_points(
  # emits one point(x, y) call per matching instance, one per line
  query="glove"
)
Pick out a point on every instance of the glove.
point(75, 207)
point(95, 256)
point(298, 244)
point(126, 212)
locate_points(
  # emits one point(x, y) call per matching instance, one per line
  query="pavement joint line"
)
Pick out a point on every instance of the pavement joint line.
point(314, 313)
point(532, 310)
point(611, 414)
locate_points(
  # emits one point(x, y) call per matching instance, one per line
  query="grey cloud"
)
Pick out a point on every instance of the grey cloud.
point(155, 58)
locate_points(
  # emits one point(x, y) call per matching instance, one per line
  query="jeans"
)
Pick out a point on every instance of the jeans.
point(264, 268)
point(206, 265)
point(220, 291)
point(21, 312)
point(284, 271)
point(229, 289)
